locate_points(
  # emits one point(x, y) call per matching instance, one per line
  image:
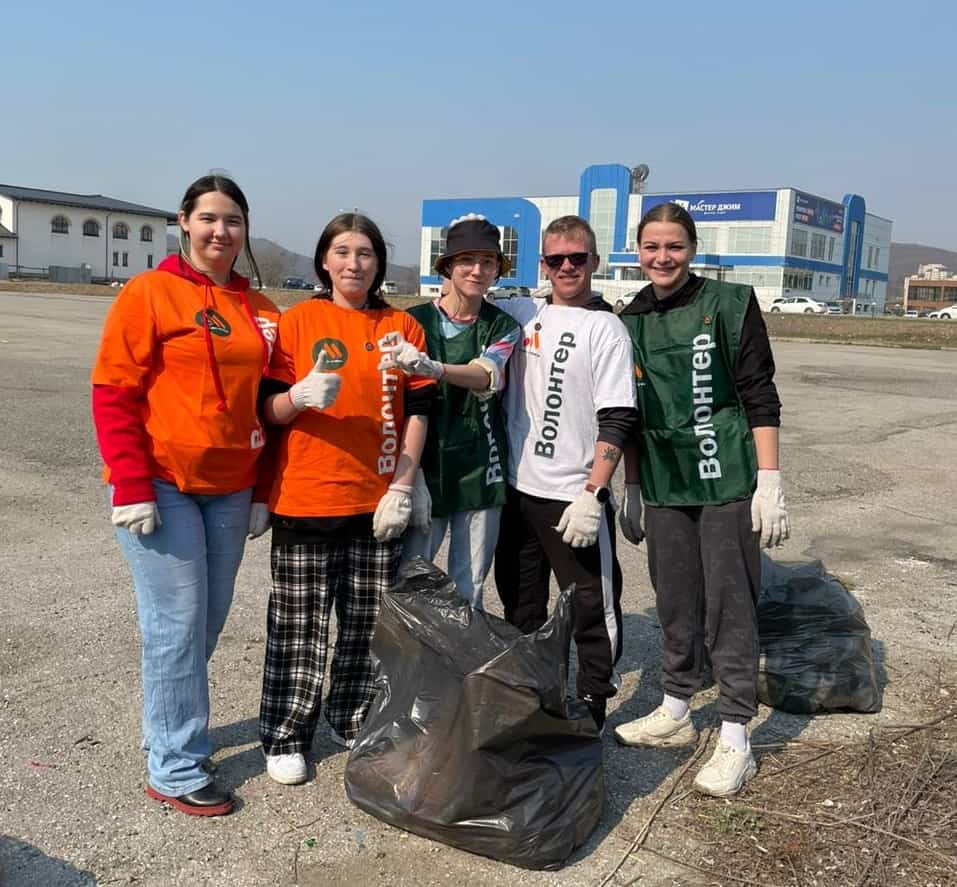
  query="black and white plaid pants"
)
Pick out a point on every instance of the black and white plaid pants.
point(350, 572)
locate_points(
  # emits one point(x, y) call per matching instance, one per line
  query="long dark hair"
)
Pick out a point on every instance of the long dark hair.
point(669, 212)
point(360, 224)
point(224, 185)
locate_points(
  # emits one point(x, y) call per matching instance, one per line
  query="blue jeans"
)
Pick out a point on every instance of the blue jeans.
point(184, 573)
point(472, 539)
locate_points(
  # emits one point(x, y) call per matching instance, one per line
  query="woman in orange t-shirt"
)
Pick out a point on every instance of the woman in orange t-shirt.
point(175, 389)
point(342, 491)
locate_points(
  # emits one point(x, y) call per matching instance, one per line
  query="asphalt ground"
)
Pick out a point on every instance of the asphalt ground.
point(869, 477)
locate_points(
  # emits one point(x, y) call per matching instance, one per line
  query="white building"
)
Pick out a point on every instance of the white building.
point(116, 239)
point(781, 241)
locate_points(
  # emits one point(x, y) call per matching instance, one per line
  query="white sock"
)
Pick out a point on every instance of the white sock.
point(675, 707)
point(736, 735)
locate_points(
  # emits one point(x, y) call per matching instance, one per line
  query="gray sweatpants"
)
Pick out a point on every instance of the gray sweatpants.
point(705, 566)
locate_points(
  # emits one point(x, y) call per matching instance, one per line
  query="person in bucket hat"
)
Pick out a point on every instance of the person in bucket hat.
point(461, 484)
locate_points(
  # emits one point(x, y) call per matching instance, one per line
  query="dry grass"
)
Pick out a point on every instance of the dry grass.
point(881, 812)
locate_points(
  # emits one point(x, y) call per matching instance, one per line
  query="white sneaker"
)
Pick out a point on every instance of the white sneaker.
point(341, 740)
point(287, 769)
point(726, 772)
point(658, 729)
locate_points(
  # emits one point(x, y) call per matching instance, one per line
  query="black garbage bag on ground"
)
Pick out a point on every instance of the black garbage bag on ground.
point(815, 643)
point(472, 739)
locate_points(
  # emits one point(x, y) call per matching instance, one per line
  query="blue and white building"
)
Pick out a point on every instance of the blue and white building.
point(782, 241)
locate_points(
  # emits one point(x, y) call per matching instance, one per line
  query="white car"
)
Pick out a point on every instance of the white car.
point(944, 313)
point(798, 305)
point(622, 302)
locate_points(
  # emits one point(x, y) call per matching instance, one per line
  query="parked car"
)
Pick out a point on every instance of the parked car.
point(834, 307)
point(389, 288)
point(496, 293)
point(798, 305)
point(622, 302)
point(944, 313)
point(911, 313)
point(296, 283)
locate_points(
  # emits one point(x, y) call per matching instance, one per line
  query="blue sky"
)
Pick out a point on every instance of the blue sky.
point(315, 107)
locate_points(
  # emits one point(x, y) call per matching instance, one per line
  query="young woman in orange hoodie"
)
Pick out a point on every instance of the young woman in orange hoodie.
point(175, 389)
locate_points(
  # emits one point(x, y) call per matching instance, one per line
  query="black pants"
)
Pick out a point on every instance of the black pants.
point(528, 550)
point(705, 565)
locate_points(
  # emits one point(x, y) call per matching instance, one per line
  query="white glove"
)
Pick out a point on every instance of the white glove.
point(406, 357)
point(140, 518)
point(580, 521)
point(768, 516)
point(392, 513)
point(629, 518)
point(317, 390)
point(258, 519)
point(421, 503)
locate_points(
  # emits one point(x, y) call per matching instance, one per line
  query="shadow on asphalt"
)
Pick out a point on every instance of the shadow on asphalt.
point(236, 769)
point(23, 865)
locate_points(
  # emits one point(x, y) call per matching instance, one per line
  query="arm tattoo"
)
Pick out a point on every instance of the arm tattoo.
point(610, 454)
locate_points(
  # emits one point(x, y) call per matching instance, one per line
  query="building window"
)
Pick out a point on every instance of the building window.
point(798, 280)
point(1, 250)
point(749, 241)
point(798, 242)
point(818, 243)
point(707, 241)
point(91, 228)
point(601, 216)
point(146, 234)
point(121, 231)
point(830, 249)
point(149, 260)
point(510, 248)
point(60, 225)
point(870, 256)
point(436, 246)
point(116, 260)
point(877, 256)
point(126, 260)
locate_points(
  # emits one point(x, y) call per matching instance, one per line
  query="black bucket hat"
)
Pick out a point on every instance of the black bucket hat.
point(472, 233)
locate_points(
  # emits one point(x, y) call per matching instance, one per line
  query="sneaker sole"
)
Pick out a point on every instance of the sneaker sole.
point(190, 809)
point(746, 777)
point(675, 741)
point(288, 780)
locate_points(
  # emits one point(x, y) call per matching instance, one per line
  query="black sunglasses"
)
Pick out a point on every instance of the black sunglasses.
point(556, 260)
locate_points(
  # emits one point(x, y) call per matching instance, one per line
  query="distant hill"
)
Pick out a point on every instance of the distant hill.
point(277, 263)
point(905, 257)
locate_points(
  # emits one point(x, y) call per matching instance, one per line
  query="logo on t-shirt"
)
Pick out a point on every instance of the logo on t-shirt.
point(218, 325)
point(336, 352)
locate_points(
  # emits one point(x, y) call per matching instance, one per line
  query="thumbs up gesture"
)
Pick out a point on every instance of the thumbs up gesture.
point(317, 390)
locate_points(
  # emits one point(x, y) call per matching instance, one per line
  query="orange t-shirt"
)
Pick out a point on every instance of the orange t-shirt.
point(202, 439)
point(339, 461)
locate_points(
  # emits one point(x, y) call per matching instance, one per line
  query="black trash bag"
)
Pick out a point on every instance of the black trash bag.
point(815, 643)
point(472, 739)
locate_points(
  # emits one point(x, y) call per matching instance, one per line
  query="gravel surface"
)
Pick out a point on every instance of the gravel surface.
point(868, 436)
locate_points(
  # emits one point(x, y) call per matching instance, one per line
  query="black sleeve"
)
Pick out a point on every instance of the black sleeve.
point(754, 373)
point(267, 388)
point(616, 425)
point(419, 401)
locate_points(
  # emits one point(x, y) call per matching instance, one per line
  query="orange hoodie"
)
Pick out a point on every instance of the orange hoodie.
point(176, 380)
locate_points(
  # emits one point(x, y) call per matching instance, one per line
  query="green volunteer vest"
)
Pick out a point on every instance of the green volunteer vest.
point(696, 445)
point(466, 450)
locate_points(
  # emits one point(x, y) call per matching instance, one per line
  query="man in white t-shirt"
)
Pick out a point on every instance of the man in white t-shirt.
point(570, 407)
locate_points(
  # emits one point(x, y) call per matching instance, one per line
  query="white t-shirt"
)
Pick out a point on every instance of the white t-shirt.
point(570, 363)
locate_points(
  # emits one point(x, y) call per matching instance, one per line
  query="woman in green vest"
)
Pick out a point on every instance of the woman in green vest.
point(469, 341)
point(705, 461)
